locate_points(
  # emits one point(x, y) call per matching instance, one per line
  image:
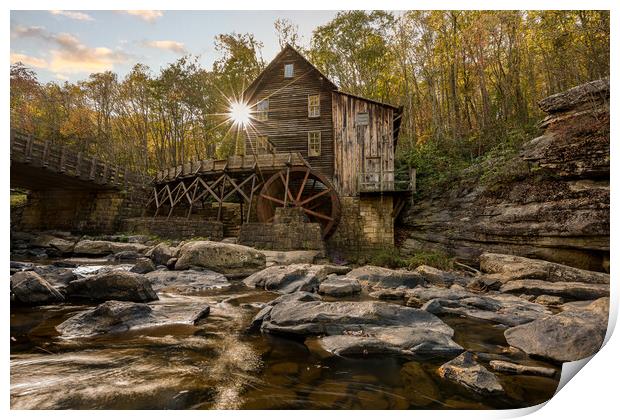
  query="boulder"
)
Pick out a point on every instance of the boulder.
point(292, 278)
point(292, 297)
point(500, 309)
point(568, 336)
point(57, 276)
point(143, 266)
point(359, 328)
point(339, 286)
point(125, 256)
point(516, 369)
point(90, 247)
point(29, 288)
point(549, 300)
point(112, 285)
point(568, 290)
point(389, 294)
point(229, 259)
point(510, 267)
point(372, 277)
point(109, 317)
point(291, 257)
point(161, 253)
point(187, 281)
point(63, 246)
point(420, 295)
point(465, 371)
point(442, 278)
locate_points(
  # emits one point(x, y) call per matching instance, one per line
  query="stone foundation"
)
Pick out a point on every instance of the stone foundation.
point(289, 231)
point(366, 224)
point(175, 227)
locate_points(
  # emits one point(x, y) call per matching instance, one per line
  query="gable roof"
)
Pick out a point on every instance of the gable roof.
point(288, 47)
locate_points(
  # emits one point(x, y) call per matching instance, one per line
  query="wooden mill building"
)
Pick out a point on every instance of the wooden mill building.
point(349, 139)
point(307, 145)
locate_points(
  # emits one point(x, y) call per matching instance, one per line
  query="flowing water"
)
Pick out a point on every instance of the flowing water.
point(218, 365)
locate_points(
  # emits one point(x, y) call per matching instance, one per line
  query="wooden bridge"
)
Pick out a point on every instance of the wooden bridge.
point(39, 164)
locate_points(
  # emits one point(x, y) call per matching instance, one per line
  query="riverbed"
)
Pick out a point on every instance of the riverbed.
point(218, 365)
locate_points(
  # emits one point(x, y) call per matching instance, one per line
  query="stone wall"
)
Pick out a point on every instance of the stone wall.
point(87, 211)
point(290, 230)
point(551, 201)
point(174, 227)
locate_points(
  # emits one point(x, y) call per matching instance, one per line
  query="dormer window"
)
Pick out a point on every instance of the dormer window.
point(288, 71)
point(262, 110)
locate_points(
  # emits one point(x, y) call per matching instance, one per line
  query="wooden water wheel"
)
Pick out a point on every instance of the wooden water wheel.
point(302, 187)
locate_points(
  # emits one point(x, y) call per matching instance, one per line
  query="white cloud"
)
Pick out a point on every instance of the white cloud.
point(72, 14)
point(28, 60)
point(61, 76)
point(174, 46)
point(69, 54)
point(146, 15)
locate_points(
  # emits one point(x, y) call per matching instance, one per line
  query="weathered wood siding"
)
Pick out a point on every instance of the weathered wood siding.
point(288, 124)
point(360, 148)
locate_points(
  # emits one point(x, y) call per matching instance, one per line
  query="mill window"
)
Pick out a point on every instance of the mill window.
point(314, 143)
point(314, 108)
point(263, 145)
point(262, 110)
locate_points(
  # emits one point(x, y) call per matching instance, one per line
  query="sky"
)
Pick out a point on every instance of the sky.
point(69, 45)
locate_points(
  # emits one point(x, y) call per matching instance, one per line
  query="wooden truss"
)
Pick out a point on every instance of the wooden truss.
point(192, 191)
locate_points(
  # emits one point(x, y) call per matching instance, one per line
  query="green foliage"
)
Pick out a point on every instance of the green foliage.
point(18, 200)
point(392, 258)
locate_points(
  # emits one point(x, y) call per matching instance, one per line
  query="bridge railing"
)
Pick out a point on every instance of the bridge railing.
point(67, 160)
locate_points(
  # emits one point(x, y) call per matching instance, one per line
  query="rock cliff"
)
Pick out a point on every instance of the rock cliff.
point(551, 201)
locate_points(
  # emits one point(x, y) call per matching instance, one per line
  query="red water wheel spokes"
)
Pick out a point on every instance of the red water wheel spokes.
point(304, 188)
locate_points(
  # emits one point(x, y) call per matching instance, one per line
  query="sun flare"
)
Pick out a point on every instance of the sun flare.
point(239, 113)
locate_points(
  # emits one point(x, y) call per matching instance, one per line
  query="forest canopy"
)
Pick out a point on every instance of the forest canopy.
point(469, 82)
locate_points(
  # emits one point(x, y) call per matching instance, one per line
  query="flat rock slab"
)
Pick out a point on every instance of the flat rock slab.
point(361, 328)
point(292, 278)
point(88, 247)
point(567, 290)
point(442, 278)
point(232, 260)
point(29, 288)
point(112, 285)
point(516, 369)
point(511, 267)
point(187, 281)
point(115, 317)
point(339, 286)
point(568, 336)
point(372, 277)
point(465, 371)
point(499, 309)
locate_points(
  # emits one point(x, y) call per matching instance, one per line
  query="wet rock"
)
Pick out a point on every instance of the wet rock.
point(171, 263)
point(112, 285)
point(442, 278)
point(161, 253)
point(372, 277)
point(359, 328)
point(465, 371)
point(17, 266)
point(484, 284)
point(201, 316)
point(56, 275)
point(143, 266)
point(229, 259)
point(389, 294)
point(570, 335)
point(516, 369)
point(91, 247)
point(420, 295)
point(29, 288)
point(291, 257)
point(63, 246)
point(420, 388)
point(266, 310)
point(125, 256)
point(502, 309)
point(187, 281)
point(568, 290)
point(339, 286)
point(109, 317)
point(291, 278)
point(414, 341)
point(511, 267)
